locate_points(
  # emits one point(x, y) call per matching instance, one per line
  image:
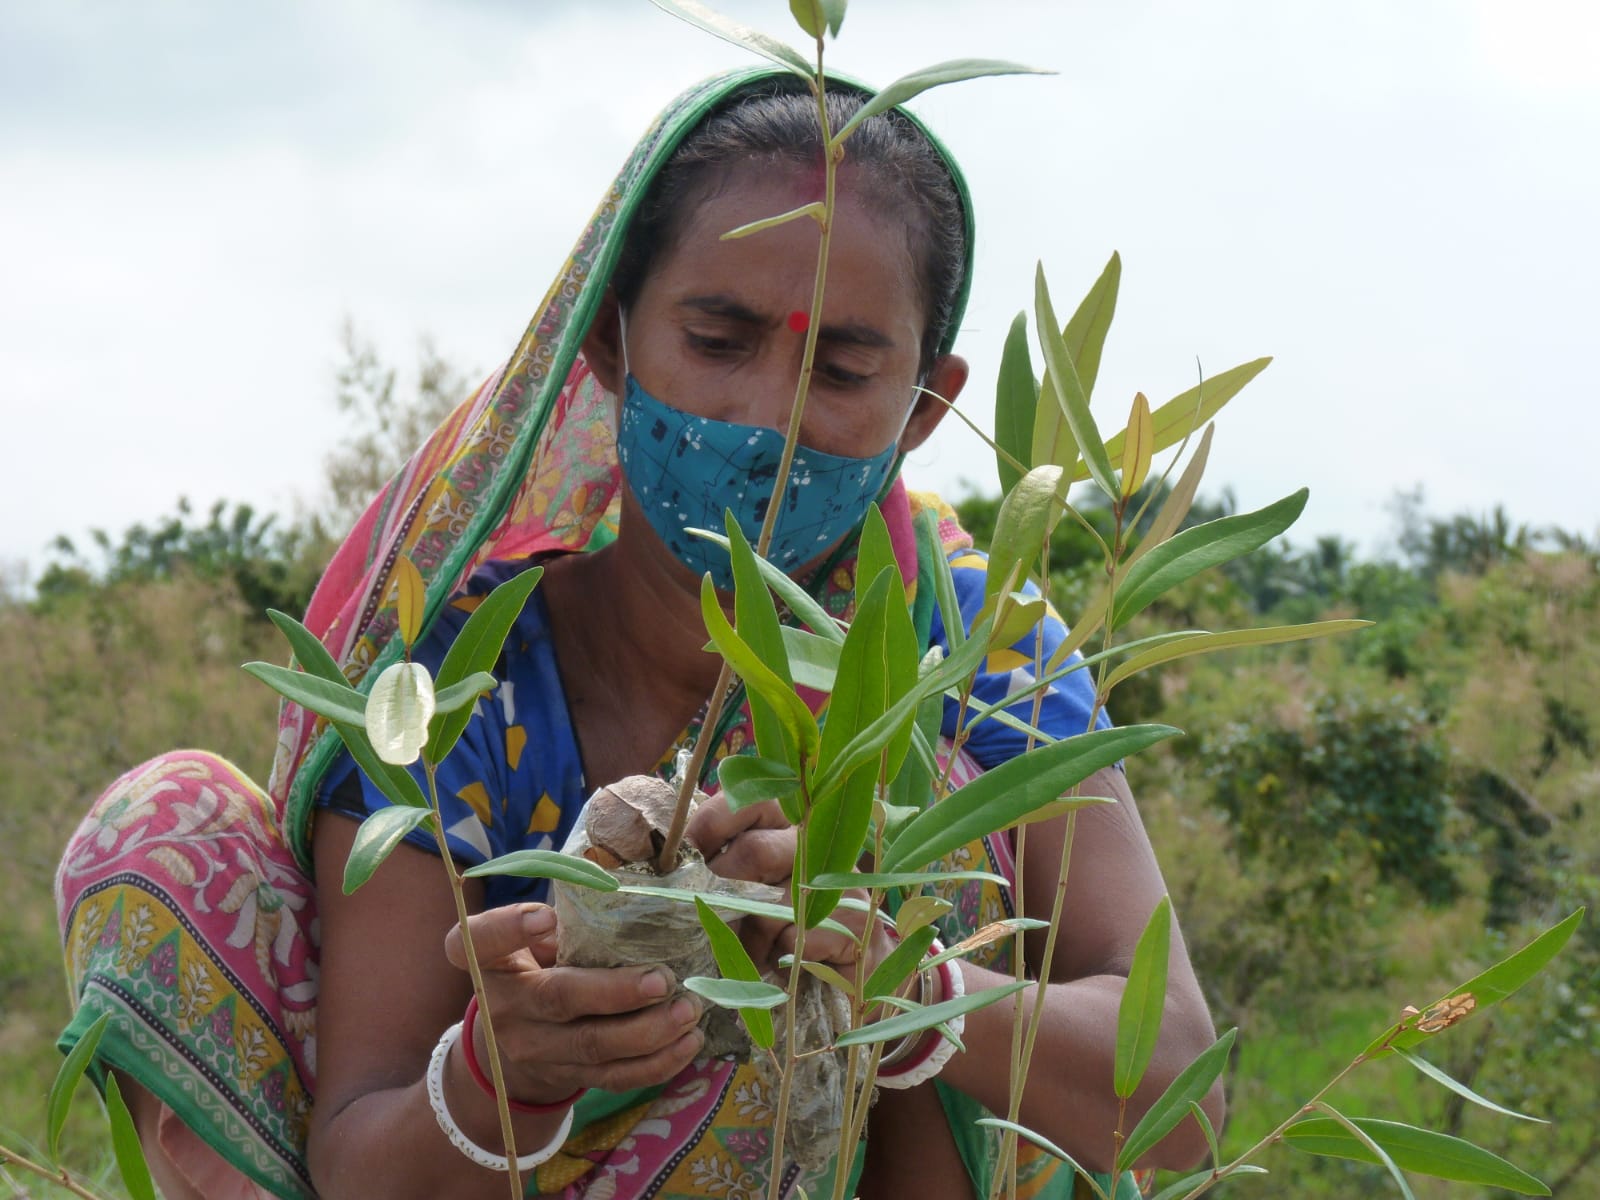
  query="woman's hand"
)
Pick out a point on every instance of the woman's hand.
point(559, 1029)
point(757, 843)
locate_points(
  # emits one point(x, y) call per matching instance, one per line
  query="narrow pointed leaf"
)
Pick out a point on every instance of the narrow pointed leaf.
point(1190, 1086)
point(1188, 1183)
point(1365, 1140)
point(813, 659)
point(917, 82)
point(309, 652)
point(756, 621)
point(915, 1021)
point(1461, 1089)
point(834, 11)
point(1143, 999)
point(1064, 383)
point(1498, 982)
point(1016, 400)
point(1193, 408)
point(1005, 794)
point(1022, 528)
point(889, 879)
point(1053, 441)
point(912, 786)
point(1085, 334)
point(814, 210)
point(68, 1075)
point(809, 16)
point(336, 701)
point(1045, 1144)
point(944, 594)
point(918, 912)
point(1200, 1119)
point(410, 599)
point(739, 34)
point(376, 839)
point(1413, 1149)
point(790, 710)
point(800, 602)
point(1199, 547)
point(727, 903)
point(828, 975)
point(896, 966)
point(547, 864)
point(1209, 643)
point(477, 648)
point(734, 962)
point(988, 935)
point(1178, 502)
point(395, 782)
point(125, 1146)
point(1138, 446)
point(464, 693)
point(736, 993)
point(746, 779)
point(399, 708)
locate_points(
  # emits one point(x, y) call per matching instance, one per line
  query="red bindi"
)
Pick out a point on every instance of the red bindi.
point(799, 321)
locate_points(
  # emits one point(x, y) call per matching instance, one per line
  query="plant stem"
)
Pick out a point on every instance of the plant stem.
point(786, 1079)
point(59, 1177)
point(507, 1132)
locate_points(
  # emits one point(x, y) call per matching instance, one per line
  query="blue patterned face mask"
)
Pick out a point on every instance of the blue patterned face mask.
point(685, 470)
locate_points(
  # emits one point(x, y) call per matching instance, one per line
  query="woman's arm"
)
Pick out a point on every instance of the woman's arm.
point(388, 991)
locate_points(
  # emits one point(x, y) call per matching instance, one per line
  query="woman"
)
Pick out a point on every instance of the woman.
point(660, 336)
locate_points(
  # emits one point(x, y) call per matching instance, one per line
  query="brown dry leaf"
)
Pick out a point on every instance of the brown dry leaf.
point(630, 818)
point(1447, 1013)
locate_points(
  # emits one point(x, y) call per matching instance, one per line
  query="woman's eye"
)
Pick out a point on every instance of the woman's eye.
point(840, 376)
point(712, 344)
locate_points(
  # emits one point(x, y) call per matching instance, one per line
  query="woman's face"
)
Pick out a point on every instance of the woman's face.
point(711, 333)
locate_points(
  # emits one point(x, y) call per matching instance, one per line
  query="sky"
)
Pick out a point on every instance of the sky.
point(1399, 200)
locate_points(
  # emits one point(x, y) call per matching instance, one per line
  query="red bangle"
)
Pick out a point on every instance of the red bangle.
point(482, 1080)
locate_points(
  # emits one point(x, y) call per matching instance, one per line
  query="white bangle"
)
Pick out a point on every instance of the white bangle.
point(944, 1049)
point(458, 1139)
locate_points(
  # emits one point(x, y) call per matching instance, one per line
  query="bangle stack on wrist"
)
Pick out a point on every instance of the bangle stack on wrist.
point(921, 1056)
point(461, 1032)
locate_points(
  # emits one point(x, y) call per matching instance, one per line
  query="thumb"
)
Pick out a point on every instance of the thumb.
point(500, 934)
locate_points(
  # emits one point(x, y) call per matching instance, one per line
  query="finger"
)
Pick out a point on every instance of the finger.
point(600, 1041)
point(651, 1069)
point(499, 933)
point(762, 855)
point(714, 825)
point(563, 994)
point(821, 946)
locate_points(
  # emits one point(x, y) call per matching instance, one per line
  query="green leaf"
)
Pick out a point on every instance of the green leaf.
point(1174, 419)
point(399, 709)
point(477, 648)
point(798, 601)
point(547, 864)
point(823, 972)
point(1188, 553)
point(736, 993)
point(1208, 643)
point(125, 1145)
point(1176, 506)
point(747, 779)
point(756, 621)
point(395, 782)
point(903, 1024)
point(1200, 1119)
point(735, 963)
point(66, 1082)
point(813, 659)
point(815, 210)
point(1461, 1089)
point(1002, 796)
point(1364, 1139)
point(917, 82)
point(759, 678)
point(1137, 449)
point(1085, 334)
point(912, 786)
point(896, 966)
point(1420, 1150)
point(809, 16)
point(834, 11)
point(919, 911)
point(464, 693)
point(1022, 527)
point(1495, 984)
point(1045, 1144)
point(1190, 1086)
point(1063, 383)
point(1189, 1182)
point(1143, 999)
point(309, 652)
point(887, 879)
point(1016, 400)
point(376, 839)
point(726, 903)
point(336, 701)
point(739, 34)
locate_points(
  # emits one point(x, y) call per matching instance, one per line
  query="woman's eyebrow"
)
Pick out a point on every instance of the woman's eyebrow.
point(848, 333)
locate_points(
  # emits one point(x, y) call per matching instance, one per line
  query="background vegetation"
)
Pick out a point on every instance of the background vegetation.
point(1348, 827)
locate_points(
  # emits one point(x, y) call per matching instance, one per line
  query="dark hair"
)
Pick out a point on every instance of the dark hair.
point(776, 124)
